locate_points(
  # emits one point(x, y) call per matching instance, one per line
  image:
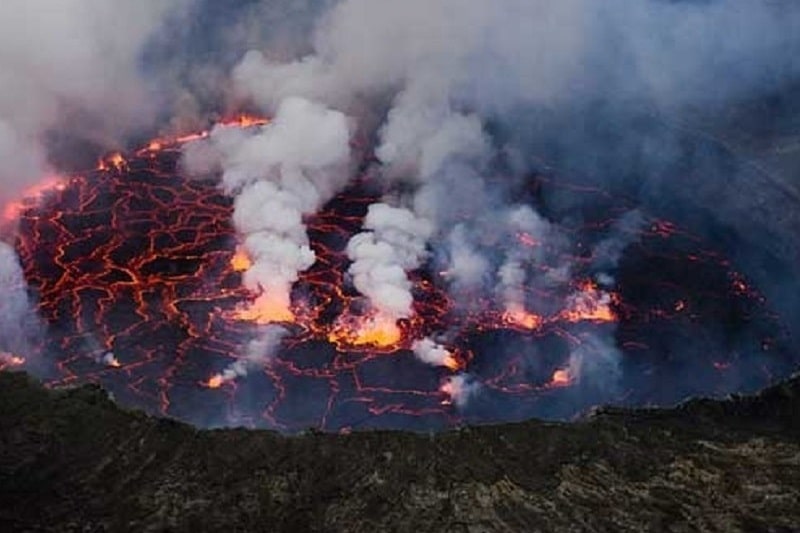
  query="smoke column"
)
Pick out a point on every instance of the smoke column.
point(460, 103)
point(64, 65)
point(278, 175)
point(258, 352)
point(445, 70)
point(18, 324)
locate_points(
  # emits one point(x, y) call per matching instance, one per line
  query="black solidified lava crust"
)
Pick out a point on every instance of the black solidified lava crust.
point(134, 261)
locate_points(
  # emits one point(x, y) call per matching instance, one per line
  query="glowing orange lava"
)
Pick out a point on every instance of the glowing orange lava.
point(244, 120)
point(114, 161)
point(214, 382)
point(516, 316)
point(374, 331)
point(8, 360)
point(451, 362)
point(143, 260)
point(32, 195)
point(239, 121)
point(590, 304)
point(561, 378)
point(266, 309)
point(240, 261)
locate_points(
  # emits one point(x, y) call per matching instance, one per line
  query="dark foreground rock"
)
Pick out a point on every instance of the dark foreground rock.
point(71, 460)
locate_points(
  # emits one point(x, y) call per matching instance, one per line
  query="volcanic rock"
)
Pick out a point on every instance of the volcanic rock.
point(72, 460)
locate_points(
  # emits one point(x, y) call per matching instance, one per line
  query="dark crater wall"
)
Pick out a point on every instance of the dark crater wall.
point(71, 460)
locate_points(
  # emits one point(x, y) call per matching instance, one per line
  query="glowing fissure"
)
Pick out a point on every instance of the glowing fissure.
point(189, 267)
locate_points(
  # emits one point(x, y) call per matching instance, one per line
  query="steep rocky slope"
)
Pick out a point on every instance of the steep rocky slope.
point(71, 460)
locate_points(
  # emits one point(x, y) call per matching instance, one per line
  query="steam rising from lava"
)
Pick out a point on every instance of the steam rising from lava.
point(394, 244)
point(75, 62)
point(19, 325)
point(440, 113)
point(257, 354)
point(279, 175)
point(449, 70)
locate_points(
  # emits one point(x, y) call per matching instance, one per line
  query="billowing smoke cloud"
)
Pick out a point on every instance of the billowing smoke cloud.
point(450, 73)
point(432, 353)
point(279, 174)
point(395, 244)
point(460, 388)
point(258, 352)
point(495, 55)
point(19, 326)
point(75, 62)
point(607, 253)
point(461, 101)
point(71, 64)
point(527, 233)
point(595, 365)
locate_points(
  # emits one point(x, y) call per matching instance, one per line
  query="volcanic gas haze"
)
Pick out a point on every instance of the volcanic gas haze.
point(64, 65)
point(406, 215)
point(279, 174)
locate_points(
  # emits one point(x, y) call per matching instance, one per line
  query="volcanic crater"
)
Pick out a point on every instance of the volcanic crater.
point(137, 273)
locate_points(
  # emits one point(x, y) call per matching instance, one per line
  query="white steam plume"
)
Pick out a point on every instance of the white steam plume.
point(529, 232)
point(19, 325)
point(432, 353)
point(495, 54)
point(394, 244)
point(595, 363)
point(607, 253)
point(280, 174)
point(259, 352)
point(65, 59)
point(460, 388)
point(448, 66)
point(450, 74)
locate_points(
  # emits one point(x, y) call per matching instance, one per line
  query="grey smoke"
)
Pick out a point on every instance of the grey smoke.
point(431, 352)
point(462, 98)
point(258, 352)
point(450, 72)
point(460, 388)
point(394, 244)
point(607, 253)
point(63, 59)
point(19, 325)
point(278, 174)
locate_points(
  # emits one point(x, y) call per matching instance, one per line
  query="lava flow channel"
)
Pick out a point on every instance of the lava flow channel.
point(136, 273)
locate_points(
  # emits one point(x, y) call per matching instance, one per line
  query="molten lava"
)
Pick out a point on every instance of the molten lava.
point(373, 331)
point(32, 196)
point(215, 381)
point(517, 317)
point(113, 161)
point(240, 261)
point(589, 304)
point(265, 309)
point(8, 360)
point(561, 378)
point(139, 278)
